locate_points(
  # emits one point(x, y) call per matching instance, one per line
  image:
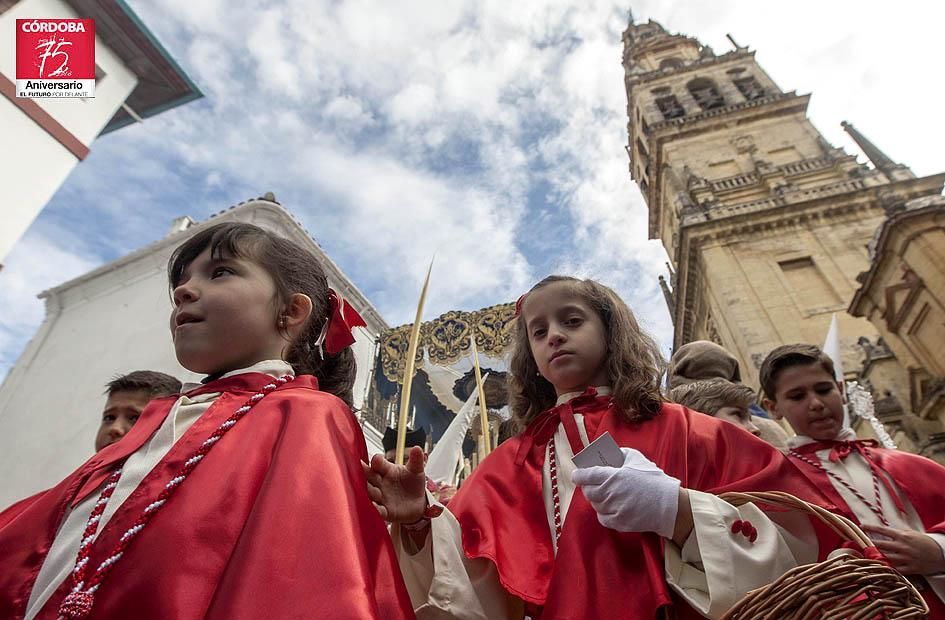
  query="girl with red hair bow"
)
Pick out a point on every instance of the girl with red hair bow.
point(242, 498)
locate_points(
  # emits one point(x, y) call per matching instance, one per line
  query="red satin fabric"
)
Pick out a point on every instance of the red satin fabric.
point(601, 573)
point(274, 523)
point(921, 479)
point(342, 320)
point(15, 509)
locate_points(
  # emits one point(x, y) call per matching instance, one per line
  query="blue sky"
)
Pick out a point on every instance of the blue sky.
point(490, 133)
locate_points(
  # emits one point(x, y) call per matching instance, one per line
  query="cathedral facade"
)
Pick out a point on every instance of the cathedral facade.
point(766, 224)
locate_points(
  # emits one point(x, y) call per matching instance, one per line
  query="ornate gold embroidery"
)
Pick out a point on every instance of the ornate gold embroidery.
point(445, 339)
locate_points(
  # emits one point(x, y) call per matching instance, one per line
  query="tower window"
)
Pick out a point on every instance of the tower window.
point(670, 107)
point(705, 93)
point(811, 290)
point(644, 157)
point(750, 88)
point(671, 63)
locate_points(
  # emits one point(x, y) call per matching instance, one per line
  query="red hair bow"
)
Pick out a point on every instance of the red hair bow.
point(342, 319)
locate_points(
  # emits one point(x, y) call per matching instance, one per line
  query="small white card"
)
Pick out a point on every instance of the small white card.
point(602, 451)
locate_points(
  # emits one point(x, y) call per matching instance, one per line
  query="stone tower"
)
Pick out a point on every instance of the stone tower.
point(766, 224)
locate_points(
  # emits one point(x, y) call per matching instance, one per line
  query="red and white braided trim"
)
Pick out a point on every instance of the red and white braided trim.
point(78, 603)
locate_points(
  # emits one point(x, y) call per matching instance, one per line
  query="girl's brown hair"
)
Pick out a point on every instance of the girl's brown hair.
point(634, 363)
point(710, 395)
point(294, 270)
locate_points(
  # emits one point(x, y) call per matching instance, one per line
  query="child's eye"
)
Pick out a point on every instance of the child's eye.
point(538, 333)
point(108, 418)
point(574, 321)
point(134, 419)
point(218, 271)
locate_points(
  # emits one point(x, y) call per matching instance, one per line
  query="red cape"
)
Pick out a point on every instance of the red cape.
point(921, 479)
point(274, 523)
point(599, 572)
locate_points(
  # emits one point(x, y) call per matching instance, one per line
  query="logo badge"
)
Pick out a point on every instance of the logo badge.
point(55, 58)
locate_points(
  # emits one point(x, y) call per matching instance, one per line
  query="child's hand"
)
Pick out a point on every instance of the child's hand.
point(398, 491)
point(636, 497)
point(445, 493)
point(910, 552)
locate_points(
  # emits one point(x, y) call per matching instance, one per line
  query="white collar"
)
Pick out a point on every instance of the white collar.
point(273, 368)
point(845, 434)
point(602, 390)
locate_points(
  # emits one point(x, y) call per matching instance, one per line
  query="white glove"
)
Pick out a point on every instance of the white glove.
point(636, 497)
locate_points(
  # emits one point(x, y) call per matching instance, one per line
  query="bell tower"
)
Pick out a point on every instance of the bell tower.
point(765, 223)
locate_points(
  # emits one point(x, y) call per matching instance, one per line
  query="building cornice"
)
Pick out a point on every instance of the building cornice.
point(791, 170)
point(162, 83)
point(879, 247)
point(261, 208)
point(705, 120)
point(652, 78)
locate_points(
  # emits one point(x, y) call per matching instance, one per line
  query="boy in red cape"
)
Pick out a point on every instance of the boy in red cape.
point(898, 498)
point(529, 534)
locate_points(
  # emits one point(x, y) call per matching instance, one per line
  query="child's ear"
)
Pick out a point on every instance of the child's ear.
point(772, 407)
point(297, 311)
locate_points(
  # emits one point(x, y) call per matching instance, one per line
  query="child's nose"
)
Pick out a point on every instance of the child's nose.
point(556, 336)
point(184, 293)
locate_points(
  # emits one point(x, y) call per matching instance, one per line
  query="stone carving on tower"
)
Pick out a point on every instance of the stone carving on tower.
point(766, 223)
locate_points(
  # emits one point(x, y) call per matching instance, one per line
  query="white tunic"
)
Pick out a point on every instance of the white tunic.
point(857, 473)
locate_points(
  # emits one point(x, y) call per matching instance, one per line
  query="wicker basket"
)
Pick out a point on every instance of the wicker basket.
point(847, 587)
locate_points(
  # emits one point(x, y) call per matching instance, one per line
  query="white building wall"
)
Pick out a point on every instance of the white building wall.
point(32, 167)
point(32, 163)
point(107, 323)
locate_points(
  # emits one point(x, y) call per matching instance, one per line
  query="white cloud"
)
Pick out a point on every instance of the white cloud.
point(214, 179)
point(216, 74)
point(348, 111)
point(490, 132)
point(406, 217)
point(413, 105)
point(272, 47)
point(36, 263)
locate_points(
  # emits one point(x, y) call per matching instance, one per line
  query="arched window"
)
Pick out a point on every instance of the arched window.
point(667, 103)
point(705, 93)
point(749, 87)
point(670, 63)
point(670, 107)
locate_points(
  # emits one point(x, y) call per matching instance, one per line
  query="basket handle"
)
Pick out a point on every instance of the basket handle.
point(845, 528)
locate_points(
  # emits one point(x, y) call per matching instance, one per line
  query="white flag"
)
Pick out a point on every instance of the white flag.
point(443, 461)
point(832, 347)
